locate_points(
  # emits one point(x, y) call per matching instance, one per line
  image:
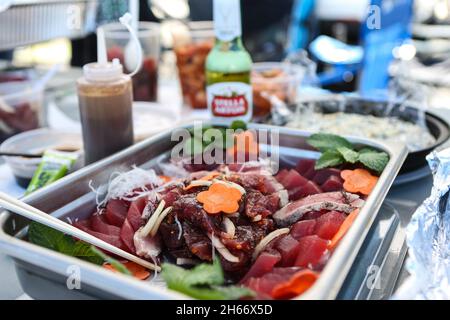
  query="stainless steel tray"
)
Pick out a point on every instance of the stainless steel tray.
point(72, 197)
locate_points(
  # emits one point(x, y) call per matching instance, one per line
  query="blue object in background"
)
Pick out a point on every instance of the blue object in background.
point(299, 32)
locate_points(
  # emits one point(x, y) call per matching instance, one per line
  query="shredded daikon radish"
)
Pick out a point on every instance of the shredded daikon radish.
point(229, 227)
point(151, 222)
point(265, 241)
point(180, 228)
point(123, 185)
point(158, 221)
point(174, 170)
point(226, 254)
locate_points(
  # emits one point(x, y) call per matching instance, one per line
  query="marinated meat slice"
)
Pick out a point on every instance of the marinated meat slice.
point(171, 196)
point(246, 238)
point(170, 234)
point(235, 270)
point(187, 208)
point(339, 201)
point(99, 224)
point(147, 247)
point(262, 265)
point(264, 183)
point(116, 212)
point(198, 243)
point(134, 214)
point(333, 183)
point(258, 204)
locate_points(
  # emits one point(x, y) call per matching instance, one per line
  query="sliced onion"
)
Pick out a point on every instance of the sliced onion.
point(151, 222)
point(159, 220)
point(199, 183)
point(186, 261)
point(226, 254)
point(265, 241)
point(230, 229)
point(257, 218)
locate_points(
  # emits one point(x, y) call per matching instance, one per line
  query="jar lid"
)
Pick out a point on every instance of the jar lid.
point(103, 72)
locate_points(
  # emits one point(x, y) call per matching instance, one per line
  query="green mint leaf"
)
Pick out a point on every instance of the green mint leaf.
point(238, 124)
point(375, 161)
point(329, 158)
point(202, 282)
point(348, 154)
point(325, 141)
point(367, 149)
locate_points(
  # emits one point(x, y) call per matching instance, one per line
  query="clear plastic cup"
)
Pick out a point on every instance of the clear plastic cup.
point(191, 48)
point(21, 107)
point(274, 78)
point(118, 43)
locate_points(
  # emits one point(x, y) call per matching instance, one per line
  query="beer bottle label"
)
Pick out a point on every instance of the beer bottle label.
point(230, 99)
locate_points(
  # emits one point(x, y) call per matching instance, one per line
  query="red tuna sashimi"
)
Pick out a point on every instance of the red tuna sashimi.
point(264, 285)
point(328, 224)
point(111, 239)
point(281, 175)
point(262, 265)
point(116, 212)
point(333, 183)
point(302, 229)
point(307, 189)
point(323, 174)
point(305, 165)
point(313, 215)
point(288, 247)
point(311, 250)
point(134, 215)
point(127, 235)
point(293, 179)
point(99, 224)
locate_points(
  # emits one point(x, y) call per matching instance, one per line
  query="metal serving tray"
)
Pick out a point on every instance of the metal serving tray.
point(43, 273)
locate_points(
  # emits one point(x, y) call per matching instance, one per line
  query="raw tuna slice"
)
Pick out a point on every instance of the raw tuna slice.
point(99, 224)
point(322, 175)
point(328, 224)
point(262, 265)
point(307, 189)
point(313, 215)
point(288, 247)
point(339, 201)
point(127, 236)
point(134, 214)
point(116, 212)
point(111, 239)
point(293, 180)
point(302, 229)
point(305, 165)
point(311, 250)
point(264, 285)
point(333, 183)
point(281, 175)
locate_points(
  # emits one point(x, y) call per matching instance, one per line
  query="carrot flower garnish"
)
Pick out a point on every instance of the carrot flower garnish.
point(220, 198)
point(359, 181)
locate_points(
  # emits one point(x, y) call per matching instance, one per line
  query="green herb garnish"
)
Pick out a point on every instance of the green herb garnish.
point(204, 281)
point(337, 150)
point(55, 240)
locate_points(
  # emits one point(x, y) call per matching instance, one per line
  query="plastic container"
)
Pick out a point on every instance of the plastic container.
point(118, 42)
point(191, 49)
point(274, 78)
point(21, 107)
point(36, 142)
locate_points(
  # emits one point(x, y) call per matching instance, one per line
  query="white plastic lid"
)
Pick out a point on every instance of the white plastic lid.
point(98, 72)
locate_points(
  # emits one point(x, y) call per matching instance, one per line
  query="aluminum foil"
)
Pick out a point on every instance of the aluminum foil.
point(428, 238)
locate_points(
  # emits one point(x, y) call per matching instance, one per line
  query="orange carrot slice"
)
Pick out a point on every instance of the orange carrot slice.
point(359, 181)
point(136, 270)
point(343, 230)
point(220, 198)
point(297, 284)
point(165, 179)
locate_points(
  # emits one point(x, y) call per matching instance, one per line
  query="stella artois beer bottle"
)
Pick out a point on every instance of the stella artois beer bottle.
point(228, 67)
